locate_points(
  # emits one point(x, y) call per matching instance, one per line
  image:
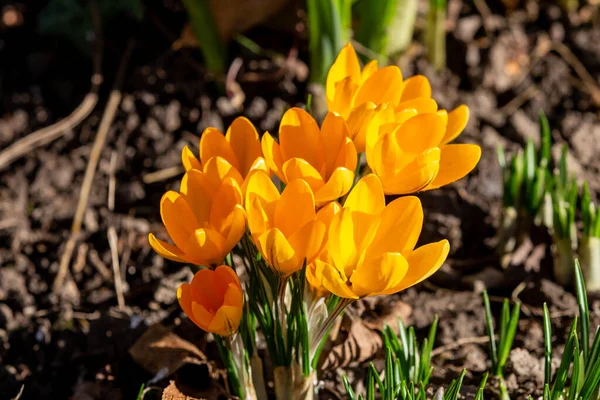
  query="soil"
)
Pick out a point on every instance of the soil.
point(506, 63)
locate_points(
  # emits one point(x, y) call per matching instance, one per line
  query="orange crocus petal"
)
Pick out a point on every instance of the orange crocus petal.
point(295, 208)
point(334, 133)
point(421, 104)
point(367, 196)
point(165, 249)
point(189, 160)
point(308, 241)
point(347, 156)
point(299, 136)
point(184, 298)
point(383, 156)
point(214, 144)
point(337, 186)
point(178, 217)
point(341, 243)
point(272, 153)
point(227, 197)
point(358, 122)
point(399, 229)
point(341, 103)
point(245, 144)
point(207, 246)
point(368, 70)
point(228, 275)
point(198, 192)
point(457, 121)
point(298, 168)
point(202, 317)
point(379, 274)
point(226, 321)
point(383, 116)
point(383, 86)
point(261, 185)
point(208, 289)
point(217, 169)
point(424, 262)
point(258, 219)
point(420, 133)
point(326, 213)
point(346, 65)
point(456, 161)
point(237, 228)
point(416, 175)
point(415, 86)
point(278, 252)
point(333, 280)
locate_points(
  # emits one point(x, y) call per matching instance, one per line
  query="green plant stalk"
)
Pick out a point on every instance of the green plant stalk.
point(436, 34)
point(224, 348)
point(589, 257)
point(402, 28)
point(203, 26)
point(563, 260)
point(375, 18)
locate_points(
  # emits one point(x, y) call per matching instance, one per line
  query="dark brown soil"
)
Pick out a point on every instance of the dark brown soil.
point(74, 344)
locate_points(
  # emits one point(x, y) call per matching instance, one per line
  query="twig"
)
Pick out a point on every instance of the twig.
point(112, 233)
point(592, 86)
point(107, 119)
point(460, 342)
point(18, 396)
point(50, 133)
point(162, 174)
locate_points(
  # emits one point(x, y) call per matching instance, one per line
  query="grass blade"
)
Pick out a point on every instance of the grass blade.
point(489, 323)
point(584, 312)
point(547, 346)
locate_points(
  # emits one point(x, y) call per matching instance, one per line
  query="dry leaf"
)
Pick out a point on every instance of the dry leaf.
point(161, 350)
point(388, 314)
point(361, 344)
point(172, 393)
point(175, 392)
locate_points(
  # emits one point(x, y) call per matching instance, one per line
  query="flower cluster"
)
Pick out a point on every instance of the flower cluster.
point(326, 223)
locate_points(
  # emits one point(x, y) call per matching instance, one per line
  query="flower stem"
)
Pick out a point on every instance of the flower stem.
point(224, 348)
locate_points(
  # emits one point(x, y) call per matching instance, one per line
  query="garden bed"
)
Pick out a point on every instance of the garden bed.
point(506, 65)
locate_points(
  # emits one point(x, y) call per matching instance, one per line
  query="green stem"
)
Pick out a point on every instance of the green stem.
point(436, 34)
point(563, 261)
point(224, 348)
point(589, 254)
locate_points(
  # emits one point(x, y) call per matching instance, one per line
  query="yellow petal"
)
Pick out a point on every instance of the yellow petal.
point(383, 86)
point(383, 156)
point(424, 262)
point(346, 65)
point(226, 321)
point(358, 122)
point(383, 116)
point(189, 160)
point(178, 217)
point(208, 289)
point(207, 246)
point(165, 249)
point(338, 185)
point(457, 121)
point(227, 197)
point(326, 213)
point(404, 115)
point(237, 228)
point(245, 144)
point(214, 144)
point(333, 281)
point(367, 196)
point(198, 192)
point(347, 156)
point(278, 252)
point(341, 103)
point(341, 240)
point(415, 86)
point(419, 133)
point(261, 185)
point(308, 242)
point(456, 161)
point(298, 168)
point(334, 133)
point(421, 104)
point(377, 275)
point(217, 169)
point(228, 275)
point(295, 208)
point(399, 229)
point(272, 153)
point(416, 175)
point(299, 136)
point(368, 70)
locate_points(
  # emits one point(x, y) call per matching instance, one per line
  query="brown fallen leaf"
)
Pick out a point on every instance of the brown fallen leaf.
point(161, 350)
point(360, 344)
point(388, 315)
point(174, 392)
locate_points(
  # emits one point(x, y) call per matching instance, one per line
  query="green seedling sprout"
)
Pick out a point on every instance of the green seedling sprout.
point(436, 34)
point(525, 183)
point(589, 248)
point(564, 232)
point(500, 350)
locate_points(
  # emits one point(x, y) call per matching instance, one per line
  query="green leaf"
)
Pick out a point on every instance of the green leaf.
point(547, 346)
point(584, 312)
point(141, 392)
point(563, 369)
point(348, 388)
point(489, 323)
point(546, 137)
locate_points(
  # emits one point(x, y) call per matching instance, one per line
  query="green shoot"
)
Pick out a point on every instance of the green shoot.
point(547, 346)
point(589, 248)
point(203, 26)
point(140, 395)
point(329, 29)
point(436, 34)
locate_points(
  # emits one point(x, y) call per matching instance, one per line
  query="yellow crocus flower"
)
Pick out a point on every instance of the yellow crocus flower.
point(205, 220)
point(325, 158)
point(371, 245)
point(283, 226)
